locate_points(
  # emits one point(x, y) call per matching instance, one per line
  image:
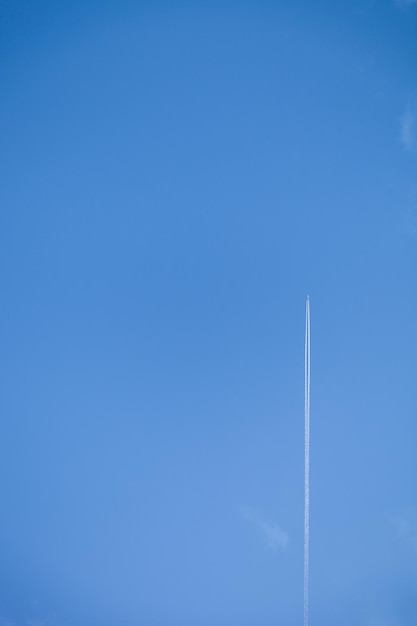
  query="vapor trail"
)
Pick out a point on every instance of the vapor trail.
point(306, 458)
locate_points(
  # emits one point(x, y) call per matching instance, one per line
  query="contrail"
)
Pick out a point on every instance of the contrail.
point(306, 459)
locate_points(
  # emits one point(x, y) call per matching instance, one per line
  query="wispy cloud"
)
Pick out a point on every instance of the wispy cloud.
point(408, 128)
point(274, 536)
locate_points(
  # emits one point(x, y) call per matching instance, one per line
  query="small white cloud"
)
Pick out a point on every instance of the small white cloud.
point(274, 536)
point(408, 128)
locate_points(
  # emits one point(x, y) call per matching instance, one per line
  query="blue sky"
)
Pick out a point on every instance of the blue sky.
point(176, 177)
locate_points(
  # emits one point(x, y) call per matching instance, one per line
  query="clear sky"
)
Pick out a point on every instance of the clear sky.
point(176, 177)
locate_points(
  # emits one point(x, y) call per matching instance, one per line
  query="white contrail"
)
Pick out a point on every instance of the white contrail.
point(306, 459)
